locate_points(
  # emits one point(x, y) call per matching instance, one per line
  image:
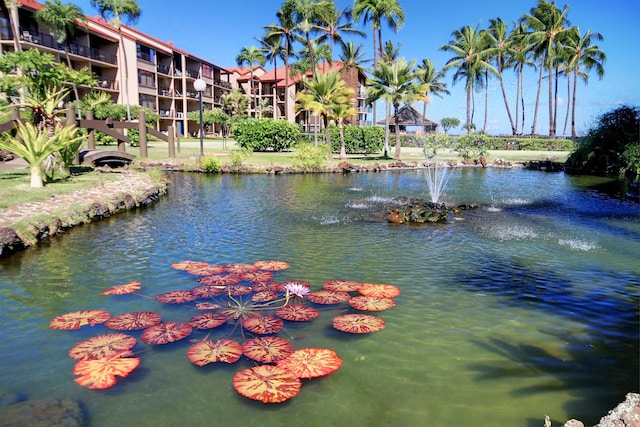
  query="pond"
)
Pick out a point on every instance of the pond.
point(523, 307)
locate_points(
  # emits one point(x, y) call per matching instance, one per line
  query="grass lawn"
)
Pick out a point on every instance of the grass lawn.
point(14, 183)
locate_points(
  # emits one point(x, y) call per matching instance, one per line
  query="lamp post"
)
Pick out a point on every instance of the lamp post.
point(200, 85)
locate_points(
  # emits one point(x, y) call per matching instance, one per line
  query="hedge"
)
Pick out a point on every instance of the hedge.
point(263, 134)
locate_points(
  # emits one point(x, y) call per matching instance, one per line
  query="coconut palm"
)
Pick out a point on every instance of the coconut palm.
point(115, 11)
point(305, 14)
point(549, 27)
point(396, 83)
point(352, 56)
point(470, 61)
point(520, 50)
point(62, 19)
point(284, 30)
point(335, 25)
point(340, 113)
point(376, 12)
point(273, 49)
point(432, 79)
point(235, 103)
point(250, 56)
point(322, 92)
point(498, 38)
point(583, 57)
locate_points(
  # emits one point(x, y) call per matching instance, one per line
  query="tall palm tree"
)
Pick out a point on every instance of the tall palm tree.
point(14, 21)
point(432, 80)
point(322, 92)
point(273, 49)
point(62, 20)
point(285, 30)
point(498, 38)
point(520, 50)
point(396, 83)
point(352, 56)
point(250, 56)
point(470, 61)
point(340, 113)
point(115, 11)
point(305, 14)
point(376, 12)
point(335, 25)
point(583, 57)
point(549, 27)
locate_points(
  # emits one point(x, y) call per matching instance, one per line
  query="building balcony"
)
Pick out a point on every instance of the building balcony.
point(47, 40)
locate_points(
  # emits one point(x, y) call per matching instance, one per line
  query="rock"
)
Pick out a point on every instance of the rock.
point(626, 414)
point(482, 161)
point(10, 242)
point(43, 413)
point(573, 423)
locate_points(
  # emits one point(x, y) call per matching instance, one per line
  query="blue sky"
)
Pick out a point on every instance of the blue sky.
point(216, 30)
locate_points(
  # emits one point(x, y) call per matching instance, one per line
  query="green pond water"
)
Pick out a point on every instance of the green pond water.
point(523, 307)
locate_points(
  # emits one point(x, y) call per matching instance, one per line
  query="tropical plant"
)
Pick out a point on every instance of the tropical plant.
point(472, 146)
point(340, 113)
point(549, 27)
point(520, 50)
point(265, 134)
point(322, 94)
point(309, 157)
point(395, 83)
point(470, 61)
point(305, 15)
point(116, 11)
point(210, 164)
point(497, 37)
point(62, 19)
point(583, 56)
point(273, 49)
point(352, 56)
point(449, 123)
point(235, 104)
point(335, 25)
point(432, 79)
point(34, 145)
point(251, 56)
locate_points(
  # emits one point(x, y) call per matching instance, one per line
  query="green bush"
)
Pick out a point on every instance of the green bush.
point(358, 140)
point(210, 164)
point(310, 158)
point(266, 134)
point(472, 146)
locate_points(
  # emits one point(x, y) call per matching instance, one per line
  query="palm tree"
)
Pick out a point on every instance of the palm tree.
point(284, 30)
point(273, 49)
point(305, 14)
point(235, 103)
point(519, 56)
point(322, 92)
point(584, 57)
point(396, 83)
point(549, 27)
point(62, 19)
point(432, 79)
point(375, 12)
point(497, 37)
point(250, 56)
point(340, 113)
point(116, 11)
point(352, 56)
point(335, 25)
point(14, 21)
point(470, 61)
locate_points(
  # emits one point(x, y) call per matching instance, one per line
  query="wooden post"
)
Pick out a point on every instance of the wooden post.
point(172, 148)
point(71, 116)
point(121, 144)
point(91, 133)
point(177, 139)
point(142, 129)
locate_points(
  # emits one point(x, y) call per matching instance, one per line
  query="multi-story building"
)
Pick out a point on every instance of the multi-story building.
point(161, 76)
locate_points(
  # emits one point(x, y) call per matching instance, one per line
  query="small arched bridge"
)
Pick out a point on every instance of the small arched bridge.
point(111, 158)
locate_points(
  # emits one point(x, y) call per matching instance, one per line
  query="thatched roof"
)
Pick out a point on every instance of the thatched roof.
point(409, 116)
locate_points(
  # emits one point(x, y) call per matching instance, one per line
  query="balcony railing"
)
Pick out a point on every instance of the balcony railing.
point(164, 69)
point(107, 84)
point(223, 84)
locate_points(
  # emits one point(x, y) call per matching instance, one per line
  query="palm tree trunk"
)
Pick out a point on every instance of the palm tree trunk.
point(36, 177)
point(468, 124)
point(552, 130)
point(327, 135)
point(566, 117)
point(573, 104)
point(535, 111)
point(486, 101)
point(375, 62)
point(75, 87)
point(506, 104)
point(387, 130)
point(286, 80)
point(343, 150)
point(396, 156)
point(126, 76)
point(518, 90)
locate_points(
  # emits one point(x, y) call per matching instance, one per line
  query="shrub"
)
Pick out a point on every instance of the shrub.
point(472, 146)
point(238, 156)
point(266, 134)
point(358, 140)
point(210, 164)
point(310, 158)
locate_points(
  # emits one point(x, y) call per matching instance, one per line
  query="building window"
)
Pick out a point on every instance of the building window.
point(146, 53)
point(207, 70)
point(146, 78)
point(148, 101)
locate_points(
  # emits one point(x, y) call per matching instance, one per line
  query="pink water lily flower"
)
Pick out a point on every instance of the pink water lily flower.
point(296, 289)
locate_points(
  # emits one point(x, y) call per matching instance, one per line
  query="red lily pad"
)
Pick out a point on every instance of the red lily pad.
point(341, 285)
point(133, 321)
point(272, 265)
point(208, 320)
point(311, 362)
point(164, 333)
point(176, 297)
point(263, 325)
point(358, 323)
point(78, 319)
point(267, 349)
point(205, 352)
point(127, 288)
point(371, 303)
point(328, 297)
point(297, 313)
point(102, 346)
point(101, 373)
point(267, 384)
point(379, 290)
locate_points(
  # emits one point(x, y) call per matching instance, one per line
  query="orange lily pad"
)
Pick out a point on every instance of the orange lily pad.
point(176, 297)
point(263, 325)
point(257, 276)
point(78, 319)
point(379, 290)
point(102, 346)
point(207, 306)
point(206, 352)
point(371, 303)
point(164, 333)
point(185, 265)
point(341, 285)
point(239, 268)
point(311, 362)
point(265, 296)
point(134, 320)
point(101, 373)
point(297, 313)
point(267, 349)
point(127, 288)
point(220, 279)
point(325, 296)
point(272, 265)
point(267, 384)
point(208, 320)
point(358, 323)
point(208, 291)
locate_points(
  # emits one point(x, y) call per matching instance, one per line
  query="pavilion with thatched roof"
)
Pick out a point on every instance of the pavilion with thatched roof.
point(410, 117)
